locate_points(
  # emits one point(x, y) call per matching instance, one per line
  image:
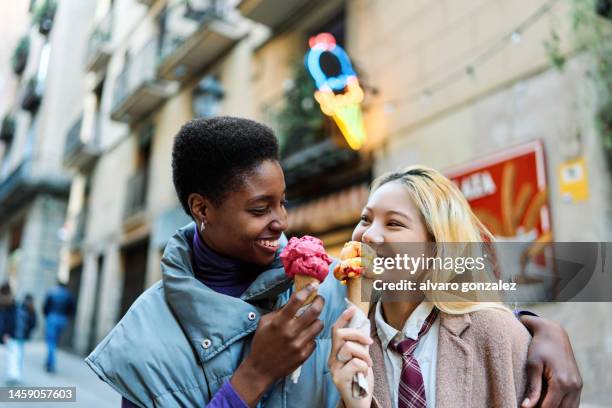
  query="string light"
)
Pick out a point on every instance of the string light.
point(389, 107)
point(470, 71)
point(426, 96)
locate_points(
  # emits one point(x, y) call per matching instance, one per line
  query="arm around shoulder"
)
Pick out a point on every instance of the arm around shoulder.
point(502, 343)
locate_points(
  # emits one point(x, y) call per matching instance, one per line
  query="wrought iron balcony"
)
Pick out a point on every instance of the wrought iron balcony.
point(22, 184)
point(316, 160)
point(99, 48)
point(271, 13)
point(147, 3)
point(44, 14)
point(7, 129)
point(193, 36)
point(31, 96)
point(137, 90)
point(82, 147)
point(20, 56)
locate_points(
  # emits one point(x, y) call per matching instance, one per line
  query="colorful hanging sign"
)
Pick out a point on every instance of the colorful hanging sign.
point(339, 96)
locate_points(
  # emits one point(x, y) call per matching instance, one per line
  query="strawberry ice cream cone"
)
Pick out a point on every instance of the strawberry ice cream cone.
point(306, 261)
point(301, 281)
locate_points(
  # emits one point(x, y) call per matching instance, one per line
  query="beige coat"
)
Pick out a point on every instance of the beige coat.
point(481, 361)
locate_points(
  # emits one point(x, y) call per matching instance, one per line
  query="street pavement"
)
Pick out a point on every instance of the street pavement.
point(72, 371)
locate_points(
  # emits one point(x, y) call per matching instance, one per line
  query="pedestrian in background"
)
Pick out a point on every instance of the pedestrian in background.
point(59, 307)
point(25, 322)
point(7, 323)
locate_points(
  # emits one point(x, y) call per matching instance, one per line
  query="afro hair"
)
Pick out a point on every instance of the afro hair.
point(213, 156)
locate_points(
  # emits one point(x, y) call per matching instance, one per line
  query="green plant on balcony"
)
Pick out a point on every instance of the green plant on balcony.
point(44, 13)
point(593, 36)
point(7, 129)
point(300, 121)
point(20, 56)
point(32, 96)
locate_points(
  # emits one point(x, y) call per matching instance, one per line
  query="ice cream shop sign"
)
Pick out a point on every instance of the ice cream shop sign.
point(338, 91)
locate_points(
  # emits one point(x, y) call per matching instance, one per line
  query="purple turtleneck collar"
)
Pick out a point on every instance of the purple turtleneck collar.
point(220, 273)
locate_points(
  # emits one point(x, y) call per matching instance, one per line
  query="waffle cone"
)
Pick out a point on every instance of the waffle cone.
point(353, 286)
point(301, 281)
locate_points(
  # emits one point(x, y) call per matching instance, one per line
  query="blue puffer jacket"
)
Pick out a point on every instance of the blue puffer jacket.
point(180, 340)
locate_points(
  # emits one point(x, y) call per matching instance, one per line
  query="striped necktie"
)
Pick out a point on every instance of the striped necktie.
point(411, 388)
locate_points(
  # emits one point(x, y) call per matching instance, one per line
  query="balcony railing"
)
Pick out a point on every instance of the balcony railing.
point(31, 95)
point(18, 188)
point(316, 160)
point(135, 200)
point(20, 56)
point(194, 35)
point(137, 90)
point(44, 14)
point(7, 129)
point(82, 148)
point(271, 12)
point(98, 51)
point(147, 3)
point(16, 181)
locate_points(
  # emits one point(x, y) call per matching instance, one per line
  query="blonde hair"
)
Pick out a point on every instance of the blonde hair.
point(447, 216)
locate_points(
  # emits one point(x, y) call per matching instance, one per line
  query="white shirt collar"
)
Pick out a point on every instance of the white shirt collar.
point(412, 326)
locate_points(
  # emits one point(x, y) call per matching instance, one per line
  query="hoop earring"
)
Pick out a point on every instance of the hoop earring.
point(202, 226)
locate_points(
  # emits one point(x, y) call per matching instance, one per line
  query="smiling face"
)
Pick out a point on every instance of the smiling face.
point(247, 223)
point(390, 216)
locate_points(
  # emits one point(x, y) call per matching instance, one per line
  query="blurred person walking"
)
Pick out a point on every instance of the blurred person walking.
point(59, 307)
point(25, 321)
point(7, 323)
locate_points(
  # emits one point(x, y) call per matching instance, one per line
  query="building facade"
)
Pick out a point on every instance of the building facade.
point(41, 94)
point(464, 87)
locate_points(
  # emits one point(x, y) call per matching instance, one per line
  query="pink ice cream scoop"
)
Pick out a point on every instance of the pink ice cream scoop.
point(306, 256)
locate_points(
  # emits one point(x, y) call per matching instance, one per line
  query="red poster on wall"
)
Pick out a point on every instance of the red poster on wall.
point(508, 192)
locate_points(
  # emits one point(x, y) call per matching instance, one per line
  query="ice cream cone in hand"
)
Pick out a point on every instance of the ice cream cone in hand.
point(355, 259)
point(301, 281)
point(306, 261)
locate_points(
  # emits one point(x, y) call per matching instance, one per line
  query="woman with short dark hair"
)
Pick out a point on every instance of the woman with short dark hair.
point(220, 329)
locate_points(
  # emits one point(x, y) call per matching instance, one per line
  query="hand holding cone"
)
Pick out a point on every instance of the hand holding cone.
point(355, 259)
point(306, 261)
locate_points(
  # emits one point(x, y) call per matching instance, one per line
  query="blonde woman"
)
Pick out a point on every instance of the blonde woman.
point(429, 353)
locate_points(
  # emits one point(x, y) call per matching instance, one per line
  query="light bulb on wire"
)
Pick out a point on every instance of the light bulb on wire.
point(426, 97)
